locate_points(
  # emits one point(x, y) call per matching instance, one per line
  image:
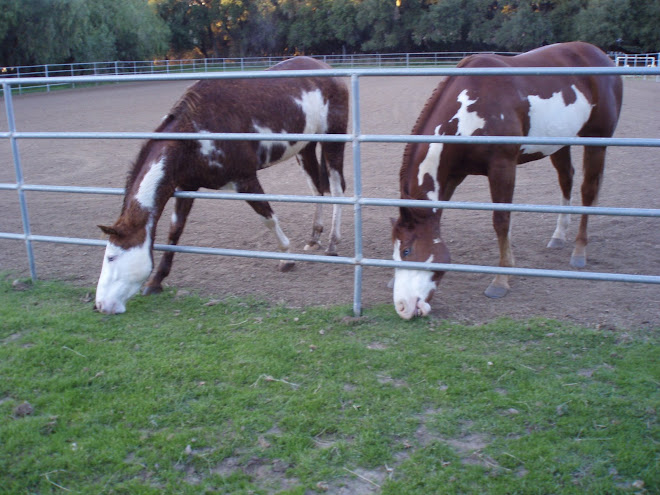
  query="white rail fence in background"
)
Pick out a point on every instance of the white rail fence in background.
point(355, 138)
point(377, 60)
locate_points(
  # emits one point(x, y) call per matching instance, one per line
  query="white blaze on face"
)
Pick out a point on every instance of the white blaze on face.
point(552, 117)
point(430, 166)
point(411, 288)
point(122, 274)
point(146, 194)
point(468, 122)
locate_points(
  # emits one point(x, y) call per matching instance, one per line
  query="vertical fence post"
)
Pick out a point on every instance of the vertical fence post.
point(357, 194)
point(11, 123)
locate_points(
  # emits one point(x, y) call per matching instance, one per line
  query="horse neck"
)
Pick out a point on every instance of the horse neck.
point(148, 188)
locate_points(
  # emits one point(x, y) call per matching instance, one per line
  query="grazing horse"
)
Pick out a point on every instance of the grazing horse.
point(310, 105)
point(536, 106)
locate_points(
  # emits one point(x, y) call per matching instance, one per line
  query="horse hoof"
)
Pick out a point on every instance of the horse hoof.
point(578, 261)
point(149, 290)
point(287, 266)
point(556, 243)
point(312, 246)
point(331, 253)
point(496, 292)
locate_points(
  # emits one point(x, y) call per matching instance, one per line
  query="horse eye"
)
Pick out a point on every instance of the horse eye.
point(405, 252)
point(112, 258)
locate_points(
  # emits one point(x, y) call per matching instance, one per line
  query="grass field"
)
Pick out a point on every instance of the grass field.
point(186, 395)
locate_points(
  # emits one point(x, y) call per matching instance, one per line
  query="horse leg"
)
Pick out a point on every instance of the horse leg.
point(501, 179)
point(593, 166)
point(332, 160)
point(182, 208)
point(263, 209)
point(318, 183)
point(561, 160)
point(450, 185)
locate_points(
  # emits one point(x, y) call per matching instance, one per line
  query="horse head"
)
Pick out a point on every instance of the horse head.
point(127, 263)
point(416, 237)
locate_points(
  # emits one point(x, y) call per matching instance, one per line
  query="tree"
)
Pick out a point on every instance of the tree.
point(524, 27)
point(603, 23)
point(64, 31)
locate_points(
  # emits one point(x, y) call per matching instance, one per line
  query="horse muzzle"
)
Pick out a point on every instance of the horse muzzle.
point(407, 309)
point(109, 307)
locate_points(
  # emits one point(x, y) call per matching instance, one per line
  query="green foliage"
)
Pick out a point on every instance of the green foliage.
point(59, 31)
point(181, 395)
point(64, 31)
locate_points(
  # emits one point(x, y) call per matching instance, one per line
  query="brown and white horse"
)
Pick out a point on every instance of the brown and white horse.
point(538, 106)
point(310, 105)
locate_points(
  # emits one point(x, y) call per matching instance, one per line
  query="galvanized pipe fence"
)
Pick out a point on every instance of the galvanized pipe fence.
point(357, 201)
point(133, 67)
point(169, 66)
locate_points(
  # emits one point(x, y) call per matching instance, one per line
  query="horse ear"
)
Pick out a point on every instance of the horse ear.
point(406, 216)
point(108, 230)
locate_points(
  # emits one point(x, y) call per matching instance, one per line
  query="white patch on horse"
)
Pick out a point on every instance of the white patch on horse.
point(563, 221)
point(146, 194)
point(411, 287)
point(552, 117)
point(274, 225)
point(430, 166)
point(206, 146)
point(122, 274)
point(336, 191)
point(268, 145)
point(468, 122)
point(315, 110)
point(209, 150)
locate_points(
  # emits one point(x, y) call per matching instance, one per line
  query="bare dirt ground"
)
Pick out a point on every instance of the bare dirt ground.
point(388, 106)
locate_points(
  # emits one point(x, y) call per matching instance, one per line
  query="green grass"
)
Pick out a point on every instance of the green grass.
point(238, 396)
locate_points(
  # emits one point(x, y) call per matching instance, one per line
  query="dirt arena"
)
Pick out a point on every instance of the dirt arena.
point(388, 106)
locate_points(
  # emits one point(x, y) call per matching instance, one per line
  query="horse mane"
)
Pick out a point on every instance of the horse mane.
point(422, 119)
point(183, 111)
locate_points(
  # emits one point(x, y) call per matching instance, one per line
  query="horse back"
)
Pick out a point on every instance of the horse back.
point(300, 63)
point(604, 92)
point(310, 105)
point(514, 105)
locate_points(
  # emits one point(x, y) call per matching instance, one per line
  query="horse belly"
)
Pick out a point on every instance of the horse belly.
point(552, 117)
point(314, 121)
point(272, 152)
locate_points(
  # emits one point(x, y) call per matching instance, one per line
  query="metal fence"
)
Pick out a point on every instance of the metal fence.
point(119, 68)
point(355, 138)
point(355, 60)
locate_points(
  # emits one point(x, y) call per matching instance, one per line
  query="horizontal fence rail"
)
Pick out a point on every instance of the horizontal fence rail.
point(49, 71)
point(407, 60)
point(357, 200)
